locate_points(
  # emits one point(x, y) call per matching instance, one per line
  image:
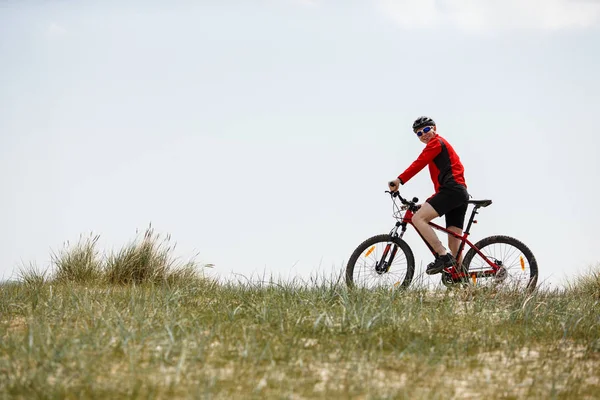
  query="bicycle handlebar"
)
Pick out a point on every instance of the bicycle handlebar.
point(412, 205)
point(402, 199)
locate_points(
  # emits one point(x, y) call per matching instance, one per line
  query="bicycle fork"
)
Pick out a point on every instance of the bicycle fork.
point(384, 265)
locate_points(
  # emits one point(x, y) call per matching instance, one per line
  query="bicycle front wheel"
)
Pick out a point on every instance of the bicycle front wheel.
point(381, 261)
point(518, 267)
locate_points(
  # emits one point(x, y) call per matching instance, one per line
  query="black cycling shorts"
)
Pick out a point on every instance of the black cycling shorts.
point(452, 203)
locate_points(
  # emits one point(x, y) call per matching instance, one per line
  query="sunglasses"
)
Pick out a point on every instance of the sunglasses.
point(424, 130)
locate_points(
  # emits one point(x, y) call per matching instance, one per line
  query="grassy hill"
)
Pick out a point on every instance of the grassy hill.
point(135, 324)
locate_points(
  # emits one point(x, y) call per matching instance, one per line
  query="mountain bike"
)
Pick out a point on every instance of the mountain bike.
point(387, 260)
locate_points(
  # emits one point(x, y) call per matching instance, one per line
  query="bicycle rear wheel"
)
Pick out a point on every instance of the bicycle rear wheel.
point(518, 267)
point(381, 261)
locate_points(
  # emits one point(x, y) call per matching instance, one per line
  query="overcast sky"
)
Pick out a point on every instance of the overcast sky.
point(261, 135)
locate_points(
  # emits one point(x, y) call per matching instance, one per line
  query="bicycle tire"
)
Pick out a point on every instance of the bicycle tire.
point(384, 238)
point(501, 239)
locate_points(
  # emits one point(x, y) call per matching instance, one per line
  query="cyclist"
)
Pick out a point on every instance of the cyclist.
point(450, 197)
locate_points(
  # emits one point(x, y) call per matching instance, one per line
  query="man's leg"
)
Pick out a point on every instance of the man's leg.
point(454, 243)
point(437, 205)
point(421, 221)
point(455, 220)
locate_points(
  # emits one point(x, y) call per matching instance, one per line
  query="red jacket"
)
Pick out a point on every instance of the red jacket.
point(444, 165)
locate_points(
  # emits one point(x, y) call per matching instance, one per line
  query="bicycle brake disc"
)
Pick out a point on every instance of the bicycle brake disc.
point(501, 275)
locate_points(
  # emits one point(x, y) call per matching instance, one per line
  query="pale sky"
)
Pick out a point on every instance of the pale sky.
point(261, 135)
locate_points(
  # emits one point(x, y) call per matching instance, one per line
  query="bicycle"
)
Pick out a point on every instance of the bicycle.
point(483, 260)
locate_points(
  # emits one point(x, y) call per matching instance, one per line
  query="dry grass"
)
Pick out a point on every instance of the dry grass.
point(80, 263)
point(140, 324)
point(295, 341)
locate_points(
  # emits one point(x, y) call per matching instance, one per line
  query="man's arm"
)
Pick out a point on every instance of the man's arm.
point(430, 151)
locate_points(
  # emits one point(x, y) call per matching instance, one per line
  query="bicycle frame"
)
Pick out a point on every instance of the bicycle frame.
point(453, 271)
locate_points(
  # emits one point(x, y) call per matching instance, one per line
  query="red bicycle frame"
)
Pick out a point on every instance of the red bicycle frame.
point(407, 219)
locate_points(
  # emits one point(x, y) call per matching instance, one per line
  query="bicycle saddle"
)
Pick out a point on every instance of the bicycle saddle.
point(480, 203)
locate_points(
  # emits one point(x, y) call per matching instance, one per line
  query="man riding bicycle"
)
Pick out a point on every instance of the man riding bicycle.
point(450, 197)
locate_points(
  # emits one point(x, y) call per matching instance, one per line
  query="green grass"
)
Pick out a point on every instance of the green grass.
point(190, 337)
point(80, 263)
point(588, 284)
point(147, 259)
point(278, 341)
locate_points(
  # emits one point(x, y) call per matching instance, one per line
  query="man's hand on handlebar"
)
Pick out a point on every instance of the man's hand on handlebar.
point(406, 205)
point(394, 185)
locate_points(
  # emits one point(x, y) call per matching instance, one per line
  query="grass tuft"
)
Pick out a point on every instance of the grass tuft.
point(80, 263)
point(149, 260)
point(31, 276)
point(588, 284)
